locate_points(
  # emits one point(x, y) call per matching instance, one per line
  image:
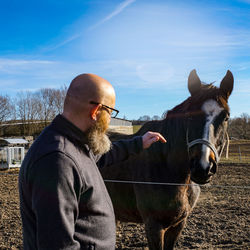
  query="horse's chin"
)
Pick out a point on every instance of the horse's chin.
point(201, 181)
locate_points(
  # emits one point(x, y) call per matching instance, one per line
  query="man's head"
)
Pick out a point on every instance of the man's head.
point(86, 106)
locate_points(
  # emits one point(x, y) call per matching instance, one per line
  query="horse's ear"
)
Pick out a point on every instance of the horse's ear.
point(194, 82)
point(227, 84)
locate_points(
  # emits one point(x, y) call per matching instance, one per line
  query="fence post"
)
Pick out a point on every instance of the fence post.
point(239, 154)
point(227, 149)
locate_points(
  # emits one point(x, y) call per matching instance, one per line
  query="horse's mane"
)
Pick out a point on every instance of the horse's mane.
point(173, 125)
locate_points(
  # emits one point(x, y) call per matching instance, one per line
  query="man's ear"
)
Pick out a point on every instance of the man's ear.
point(94, 112)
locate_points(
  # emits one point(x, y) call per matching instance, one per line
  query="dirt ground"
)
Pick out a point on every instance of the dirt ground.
point(220, 220)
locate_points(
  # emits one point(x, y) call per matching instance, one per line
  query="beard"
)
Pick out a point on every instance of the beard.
point(98, 141)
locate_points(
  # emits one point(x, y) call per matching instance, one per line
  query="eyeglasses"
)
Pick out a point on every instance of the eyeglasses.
point(113, 112)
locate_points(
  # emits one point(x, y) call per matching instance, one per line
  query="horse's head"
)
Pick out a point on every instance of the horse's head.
point(207, 118)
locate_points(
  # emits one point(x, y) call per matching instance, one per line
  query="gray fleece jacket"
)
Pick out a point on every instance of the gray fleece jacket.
point(64, 203)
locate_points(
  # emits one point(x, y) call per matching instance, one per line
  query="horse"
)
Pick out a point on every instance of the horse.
point(160, 186)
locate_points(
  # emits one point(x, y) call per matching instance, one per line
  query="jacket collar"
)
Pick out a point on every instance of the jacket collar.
point(69, 130)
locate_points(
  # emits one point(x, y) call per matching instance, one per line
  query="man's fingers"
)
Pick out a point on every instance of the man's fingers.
point(161, 138)
point(158, 137)
point(151, 137)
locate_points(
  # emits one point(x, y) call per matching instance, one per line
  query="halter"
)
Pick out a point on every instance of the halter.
point(208, 144)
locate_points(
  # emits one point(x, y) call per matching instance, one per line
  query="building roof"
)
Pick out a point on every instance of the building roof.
point(14, 140)
point(120, 122)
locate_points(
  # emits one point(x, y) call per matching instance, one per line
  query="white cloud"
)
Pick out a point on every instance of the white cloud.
point(154, 72)
point(15, 67)
point(17, 62)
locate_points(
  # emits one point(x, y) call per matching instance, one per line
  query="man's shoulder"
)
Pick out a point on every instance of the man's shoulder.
point(52, 141)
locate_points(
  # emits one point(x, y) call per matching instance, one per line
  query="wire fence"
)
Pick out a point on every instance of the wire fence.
point(175, 184)
point(239, 152)
point(162, 183)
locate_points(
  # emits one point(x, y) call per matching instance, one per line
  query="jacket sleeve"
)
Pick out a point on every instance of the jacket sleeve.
point(55, 190)
point(120, 151)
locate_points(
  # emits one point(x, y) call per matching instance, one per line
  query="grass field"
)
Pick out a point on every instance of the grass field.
point(239, 152)
point(136, 128)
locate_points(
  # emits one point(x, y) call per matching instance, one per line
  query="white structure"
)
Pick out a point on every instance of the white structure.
point(121, 126)
point(11, 153)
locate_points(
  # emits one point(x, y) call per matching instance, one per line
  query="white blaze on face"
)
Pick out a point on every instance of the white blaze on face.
point(211, 109)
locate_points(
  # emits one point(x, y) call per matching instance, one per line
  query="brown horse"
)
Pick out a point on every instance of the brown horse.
point(195, 132)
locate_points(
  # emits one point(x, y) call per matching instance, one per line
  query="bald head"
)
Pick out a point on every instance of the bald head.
point(90, 86)
point(83, 89)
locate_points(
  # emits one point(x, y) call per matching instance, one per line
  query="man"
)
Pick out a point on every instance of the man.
point(63, 200)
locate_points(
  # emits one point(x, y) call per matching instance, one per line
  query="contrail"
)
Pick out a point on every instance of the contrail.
point(118, 10)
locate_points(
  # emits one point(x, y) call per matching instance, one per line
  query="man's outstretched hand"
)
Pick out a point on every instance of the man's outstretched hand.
point(150, 137)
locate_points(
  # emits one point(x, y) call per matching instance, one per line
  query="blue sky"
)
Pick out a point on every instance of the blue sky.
point(145, 48)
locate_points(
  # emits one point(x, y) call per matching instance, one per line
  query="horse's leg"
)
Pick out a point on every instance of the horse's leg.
point(172, 234)
point(155, 234)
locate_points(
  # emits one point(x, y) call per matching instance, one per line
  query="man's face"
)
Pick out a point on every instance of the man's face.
point(98, 141)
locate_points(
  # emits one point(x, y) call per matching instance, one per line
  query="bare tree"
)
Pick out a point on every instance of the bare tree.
point(156, 118)
point(42, 105)
point(144, 118)
point(47, 109)
point(59, 96)
point(240, 127)
point(5, 108)
point(27, 107)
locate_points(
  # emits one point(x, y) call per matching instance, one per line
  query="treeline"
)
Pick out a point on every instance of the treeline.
point(29, 112)
point(238, 128)
point(146, 118)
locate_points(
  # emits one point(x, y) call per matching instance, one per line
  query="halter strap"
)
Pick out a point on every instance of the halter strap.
point(207, 143)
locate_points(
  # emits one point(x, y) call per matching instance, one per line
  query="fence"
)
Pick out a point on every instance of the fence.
point(239, 152)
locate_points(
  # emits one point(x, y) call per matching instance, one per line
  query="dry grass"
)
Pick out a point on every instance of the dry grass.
point(239, 152)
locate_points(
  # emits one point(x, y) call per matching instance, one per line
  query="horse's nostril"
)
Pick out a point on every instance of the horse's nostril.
point(213, 168)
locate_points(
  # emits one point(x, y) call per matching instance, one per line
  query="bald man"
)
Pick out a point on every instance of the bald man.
point(64, 203)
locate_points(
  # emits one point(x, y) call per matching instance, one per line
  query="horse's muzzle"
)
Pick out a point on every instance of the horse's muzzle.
point(202, 174)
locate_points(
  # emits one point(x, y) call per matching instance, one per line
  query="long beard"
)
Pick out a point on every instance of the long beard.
point(98, 141)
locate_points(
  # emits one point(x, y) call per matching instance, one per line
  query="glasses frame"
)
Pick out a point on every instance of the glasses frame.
point(107, 107)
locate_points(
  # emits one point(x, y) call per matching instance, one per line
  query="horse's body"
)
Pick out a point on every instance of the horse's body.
point(164, 208)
